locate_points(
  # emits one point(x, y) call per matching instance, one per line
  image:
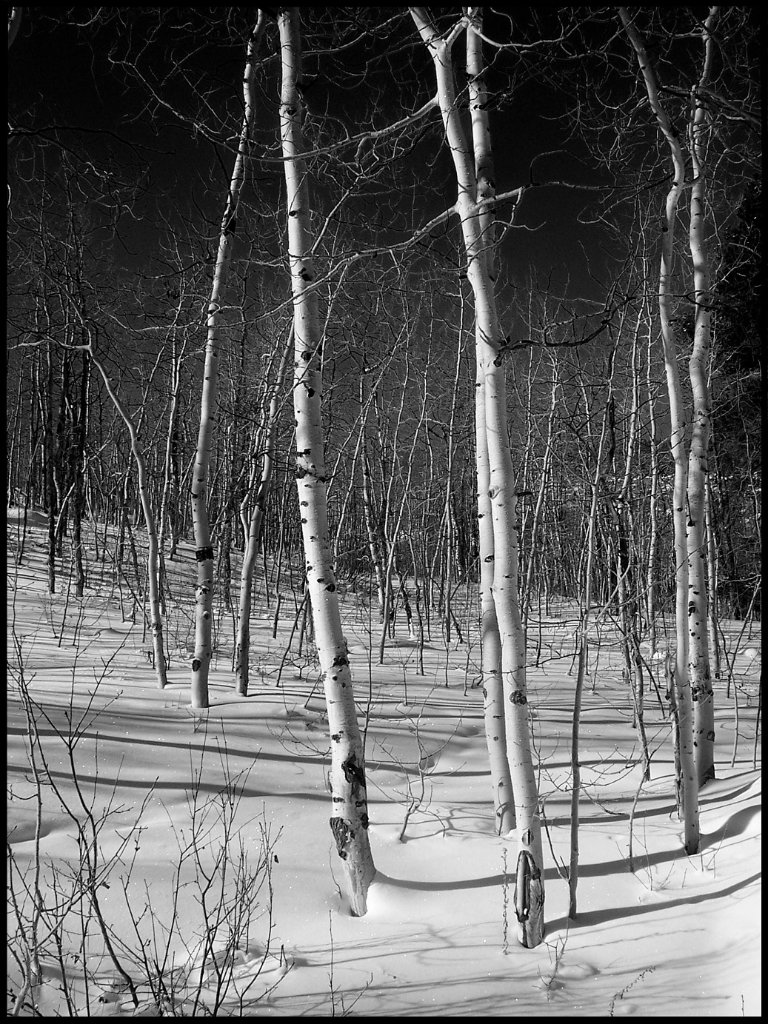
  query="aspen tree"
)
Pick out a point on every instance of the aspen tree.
point(475, 196)
point(349, 820)
point(203, 547)
point(490, 639)
point(698, 469)
point(653, 495)
point(678, 435)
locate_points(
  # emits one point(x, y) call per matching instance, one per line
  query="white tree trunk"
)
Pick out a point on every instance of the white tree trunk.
point(698, 641)
point(203, 548)
point(475, 191)
point(349, 820)
point(688, 784)
point(490, 639)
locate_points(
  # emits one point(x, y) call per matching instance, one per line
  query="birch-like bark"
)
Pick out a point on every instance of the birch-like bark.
point(490, 637)
point(203, 547)
point(688, 784)
point(475, 188)
point(349, 819)
point(447, 522)
point(698, 469)
point(490, 640)
point(653, 497)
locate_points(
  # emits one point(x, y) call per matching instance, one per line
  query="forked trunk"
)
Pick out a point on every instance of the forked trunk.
point(474, 177)
point(678, 432)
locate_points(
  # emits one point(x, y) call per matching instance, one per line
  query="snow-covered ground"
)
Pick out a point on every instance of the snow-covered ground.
point(678, 936)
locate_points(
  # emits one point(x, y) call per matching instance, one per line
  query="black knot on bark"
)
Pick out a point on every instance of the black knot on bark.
point(528, 891)
point(340, 660)
point(518, 697)
point(353, 772)
point(342, 834)
point(204, 554)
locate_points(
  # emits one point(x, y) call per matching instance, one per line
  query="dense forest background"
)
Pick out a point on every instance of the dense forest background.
point(121, 133)
point(328, 294)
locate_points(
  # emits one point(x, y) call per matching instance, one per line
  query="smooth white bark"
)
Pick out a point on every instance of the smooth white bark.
point(678, 441)
point(472, 164)
point(349, 819)
point(698, 468)
point(203, 547)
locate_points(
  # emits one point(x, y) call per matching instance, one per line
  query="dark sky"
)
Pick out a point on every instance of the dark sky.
point(70, 77)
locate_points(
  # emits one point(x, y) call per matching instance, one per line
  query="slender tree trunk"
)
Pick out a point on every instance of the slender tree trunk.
point(168, 510)
point(582, 644)
point(200, 513)
point(349, 820)
point(79, 469)
point(50, 477)
point(475, 192)
point(653, 501)
point(689, 788)
point(370, 527)
point(490, 640)
point(698, 469)
point(541, 495)
point(712, 576)
point(243, 639)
